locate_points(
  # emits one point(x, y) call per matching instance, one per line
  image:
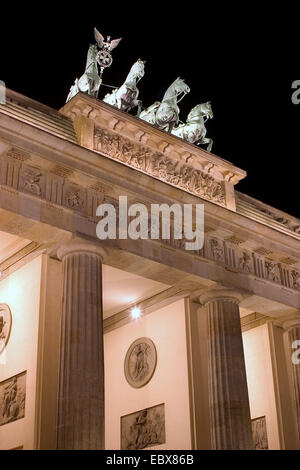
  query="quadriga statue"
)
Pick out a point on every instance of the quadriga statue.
point(125, 97)
point(165, 114)
point(90, 81)
point(194, 130)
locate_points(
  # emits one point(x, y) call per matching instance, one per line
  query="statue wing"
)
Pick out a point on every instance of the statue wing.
point(99, 38)
point(114, 43)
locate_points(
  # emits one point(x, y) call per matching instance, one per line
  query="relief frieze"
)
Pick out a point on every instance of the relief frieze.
point(32, 180)
point(295, 275)
point(74, 197)
point(245, 263)
point(160, 166)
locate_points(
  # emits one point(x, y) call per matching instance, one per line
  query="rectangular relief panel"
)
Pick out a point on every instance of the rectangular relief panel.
point(144, 428)
point(12, 398)
point(260, 436)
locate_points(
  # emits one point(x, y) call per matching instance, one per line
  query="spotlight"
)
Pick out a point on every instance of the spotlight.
point(135, 313)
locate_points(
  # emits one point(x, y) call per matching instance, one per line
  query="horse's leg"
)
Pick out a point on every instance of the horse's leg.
point(97, 90)
point(171, 127)
point(139, 104)
point(209, 147)
point(90, 87)
point(210, 142)
point(134, 104)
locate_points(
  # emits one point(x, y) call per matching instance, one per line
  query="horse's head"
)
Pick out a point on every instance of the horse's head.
point(180, 86)
point(203, 110)
point(138, 69)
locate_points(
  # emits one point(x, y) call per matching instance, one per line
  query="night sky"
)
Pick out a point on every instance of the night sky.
point(236, 59)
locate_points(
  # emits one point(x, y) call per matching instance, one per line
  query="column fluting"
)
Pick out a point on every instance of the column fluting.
point(81, 379)
point(228, 391)
point(292, 327)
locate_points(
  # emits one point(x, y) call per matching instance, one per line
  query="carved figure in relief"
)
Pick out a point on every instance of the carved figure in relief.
point(260, 436)
point(141, 364)
point(147, 429)
point(295, 280)
point(216, 249)
point(2, 324)
point(245, 262)
point(74, 199)
point(32, 181)
point(12, 399)
point(5, 326)
point(194, 130)
point(126, 97)
point(165, 114)
point(10, 408)
point(272, 271)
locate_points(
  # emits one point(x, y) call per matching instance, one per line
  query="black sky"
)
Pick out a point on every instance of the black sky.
point(239, 59)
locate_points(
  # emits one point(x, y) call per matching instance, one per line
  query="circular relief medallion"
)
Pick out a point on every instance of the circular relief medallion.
point(140, 362)
point(5, 325)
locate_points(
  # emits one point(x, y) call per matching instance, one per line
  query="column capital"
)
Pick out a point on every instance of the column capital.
point(77, 245)
point(221, 293)
point(288, 322)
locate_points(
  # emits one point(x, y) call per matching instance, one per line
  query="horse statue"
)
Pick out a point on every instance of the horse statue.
point(165, 114)
point(125, 97)
point(90, 81)
point(194, 130)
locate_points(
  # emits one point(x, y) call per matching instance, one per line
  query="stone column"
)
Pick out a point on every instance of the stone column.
point(291, 326)
point(81, 380)
point(228, 393)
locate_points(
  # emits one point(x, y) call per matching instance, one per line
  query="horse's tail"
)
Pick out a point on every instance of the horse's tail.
point(73, 90)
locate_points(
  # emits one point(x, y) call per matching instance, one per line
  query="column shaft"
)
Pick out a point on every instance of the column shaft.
point(294, 335)
point(229, 401)
point(81, 387)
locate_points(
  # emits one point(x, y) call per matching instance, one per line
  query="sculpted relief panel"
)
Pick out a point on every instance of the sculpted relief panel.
point(12, 399)
point(32, 180)
point(145, 428)
point(140, 362)
point(216, 250)
point(272, 271)
point(5, 326)
point(295, 280)
point(260, 435)
point(159, 166)
point(245, 262)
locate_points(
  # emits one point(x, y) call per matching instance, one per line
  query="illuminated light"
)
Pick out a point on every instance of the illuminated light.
point(135, 313)
point(0, 274)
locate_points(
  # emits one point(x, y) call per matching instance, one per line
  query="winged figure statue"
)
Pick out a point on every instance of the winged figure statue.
point(107, 45)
